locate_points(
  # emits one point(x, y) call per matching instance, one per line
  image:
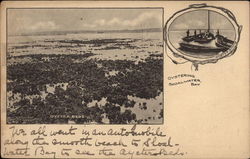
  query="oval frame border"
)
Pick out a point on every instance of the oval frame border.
point(213, 59)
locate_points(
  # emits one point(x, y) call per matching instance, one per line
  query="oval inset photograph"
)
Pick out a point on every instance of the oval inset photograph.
point(201, 33)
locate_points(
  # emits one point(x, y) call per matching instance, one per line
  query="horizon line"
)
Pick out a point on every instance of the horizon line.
point(56, 32)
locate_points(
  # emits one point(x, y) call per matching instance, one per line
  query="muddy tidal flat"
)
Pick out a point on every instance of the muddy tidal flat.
point(105, 78)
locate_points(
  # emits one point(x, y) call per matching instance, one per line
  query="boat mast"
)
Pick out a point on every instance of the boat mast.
point(208, 21)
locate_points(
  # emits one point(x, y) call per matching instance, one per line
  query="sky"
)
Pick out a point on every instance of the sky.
point(38, 20)
point(199, 20)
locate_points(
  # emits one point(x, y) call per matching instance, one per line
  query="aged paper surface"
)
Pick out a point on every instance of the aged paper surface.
point(106, 79)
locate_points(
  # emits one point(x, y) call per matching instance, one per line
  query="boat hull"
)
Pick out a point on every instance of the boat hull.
point(221, 41)
point(199, 49)
point(188, 39)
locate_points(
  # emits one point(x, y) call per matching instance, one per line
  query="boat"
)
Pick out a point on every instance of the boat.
point(222, 41)
point(201, 38)
point(199, 43)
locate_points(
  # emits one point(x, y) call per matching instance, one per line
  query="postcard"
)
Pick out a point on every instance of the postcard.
point(125, 79)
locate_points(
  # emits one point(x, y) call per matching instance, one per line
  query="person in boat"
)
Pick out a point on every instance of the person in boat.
point(200, 34)
point(195, 33)
point(207, 34)
point(218, 32)
point(187, 33)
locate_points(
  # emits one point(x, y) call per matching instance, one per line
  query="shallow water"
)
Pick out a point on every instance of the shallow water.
point(143, 43)
point(151, 114)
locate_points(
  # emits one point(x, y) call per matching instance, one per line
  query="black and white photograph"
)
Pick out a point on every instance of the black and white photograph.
point(86, 65)
point(202, 33)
